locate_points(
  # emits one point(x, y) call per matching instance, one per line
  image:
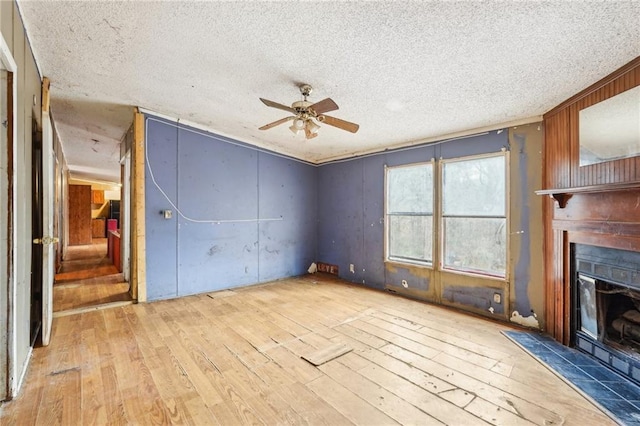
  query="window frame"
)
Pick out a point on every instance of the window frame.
point(504, 153)
point(387, 229)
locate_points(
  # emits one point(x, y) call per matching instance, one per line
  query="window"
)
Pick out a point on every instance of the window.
point(474, 215)
point(410, 213)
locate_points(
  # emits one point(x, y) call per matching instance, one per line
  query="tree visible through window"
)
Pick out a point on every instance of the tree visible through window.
point(474, 215)
point(410, 213)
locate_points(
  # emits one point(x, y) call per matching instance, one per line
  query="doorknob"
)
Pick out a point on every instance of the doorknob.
point(46, 240)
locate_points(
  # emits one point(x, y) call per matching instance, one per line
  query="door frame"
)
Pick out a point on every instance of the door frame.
point(9, 376)
point(125, 216)
point(37, 234)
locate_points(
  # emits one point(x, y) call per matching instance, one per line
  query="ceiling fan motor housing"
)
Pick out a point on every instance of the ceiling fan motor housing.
point(301, 105)
point(306, 90)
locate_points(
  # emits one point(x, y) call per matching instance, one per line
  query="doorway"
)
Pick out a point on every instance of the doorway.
point(37, 233)
point(90, 275)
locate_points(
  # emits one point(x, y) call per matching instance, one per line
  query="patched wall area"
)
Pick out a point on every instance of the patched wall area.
point(527, 229)
point(238, 216)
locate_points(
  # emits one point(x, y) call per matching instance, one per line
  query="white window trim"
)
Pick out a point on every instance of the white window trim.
point(440, 191)
point(400, 261)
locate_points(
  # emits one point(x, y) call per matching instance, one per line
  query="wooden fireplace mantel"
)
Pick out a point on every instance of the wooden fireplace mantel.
point(562, 195)
point(597, 204)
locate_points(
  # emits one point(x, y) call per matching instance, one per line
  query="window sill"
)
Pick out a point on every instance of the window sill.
point(475, 275)
point(408, 263)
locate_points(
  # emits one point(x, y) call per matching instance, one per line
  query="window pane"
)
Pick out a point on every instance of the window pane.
point(410, 237)
point(474, 187)
point(475, 245)
point(410, 189)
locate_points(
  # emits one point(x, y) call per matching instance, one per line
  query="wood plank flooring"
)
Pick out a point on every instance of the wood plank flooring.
point(88, 278)
point(234, 357)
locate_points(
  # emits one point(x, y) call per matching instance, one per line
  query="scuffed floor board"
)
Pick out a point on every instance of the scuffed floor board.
point(321, 356)
point(221, 294)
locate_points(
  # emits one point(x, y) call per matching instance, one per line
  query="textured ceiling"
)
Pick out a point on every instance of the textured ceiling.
point(405, 71)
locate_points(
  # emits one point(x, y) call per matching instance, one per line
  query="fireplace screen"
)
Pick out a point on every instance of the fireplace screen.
point(588, 310)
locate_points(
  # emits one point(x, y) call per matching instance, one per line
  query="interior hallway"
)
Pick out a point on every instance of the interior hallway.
point(235, 357)
point(87, 278)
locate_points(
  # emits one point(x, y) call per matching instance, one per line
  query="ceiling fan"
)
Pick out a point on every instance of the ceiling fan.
point(307, 115)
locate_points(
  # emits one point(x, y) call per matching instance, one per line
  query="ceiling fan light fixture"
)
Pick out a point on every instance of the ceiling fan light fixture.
point(294, 129)
point(298, 123)
point(312, 127)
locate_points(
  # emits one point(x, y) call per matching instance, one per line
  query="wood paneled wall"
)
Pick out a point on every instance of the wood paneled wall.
point(603, 206)
point(79, 214)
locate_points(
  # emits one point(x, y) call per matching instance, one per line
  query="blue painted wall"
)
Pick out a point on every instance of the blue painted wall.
point(351, 226)
point(333, 213)
point(221, 187)
point(351, 202)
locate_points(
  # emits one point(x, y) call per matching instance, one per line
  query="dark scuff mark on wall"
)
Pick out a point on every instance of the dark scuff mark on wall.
point(475, 297)
point(415, 278)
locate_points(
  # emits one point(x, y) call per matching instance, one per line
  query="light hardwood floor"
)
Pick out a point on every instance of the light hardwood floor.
point(234, 357)
point(88, 278)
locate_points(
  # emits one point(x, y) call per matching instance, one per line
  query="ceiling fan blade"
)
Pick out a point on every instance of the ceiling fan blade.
point(272, 104)
point(324, 105)
point(341, 124)
point(276, 123)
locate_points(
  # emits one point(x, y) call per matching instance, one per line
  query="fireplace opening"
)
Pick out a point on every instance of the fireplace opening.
point(607, 307)
point(622, 317)
point(610, 313)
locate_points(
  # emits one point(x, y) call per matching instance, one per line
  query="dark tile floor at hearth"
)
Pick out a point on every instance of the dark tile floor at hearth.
point(617, 396)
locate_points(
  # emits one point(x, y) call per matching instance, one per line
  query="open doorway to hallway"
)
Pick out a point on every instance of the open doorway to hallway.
point(88, 278)
point(90, 275)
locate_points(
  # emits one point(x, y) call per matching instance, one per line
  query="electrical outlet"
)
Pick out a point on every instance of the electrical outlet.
point(405, 284)
point(352, 268)
point(167, 214)
point(496, 297)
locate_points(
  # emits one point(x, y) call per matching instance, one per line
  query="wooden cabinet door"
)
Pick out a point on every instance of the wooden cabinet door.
point(97, 196)
point(98, 228)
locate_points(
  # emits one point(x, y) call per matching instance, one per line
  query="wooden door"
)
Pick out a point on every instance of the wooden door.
point(79, 215)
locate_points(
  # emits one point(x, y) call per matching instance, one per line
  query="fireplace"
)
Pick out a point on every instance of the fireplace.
point(606, 300)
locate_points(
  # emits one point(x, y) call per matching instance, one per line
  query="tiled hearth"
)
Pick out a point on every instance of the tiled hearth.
point(614, 394)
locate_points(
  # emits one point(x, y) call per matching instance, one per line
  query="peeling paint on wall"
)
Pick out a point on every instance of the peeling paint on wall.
point(526, 218)
point(530, 321)
point(521, 215)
